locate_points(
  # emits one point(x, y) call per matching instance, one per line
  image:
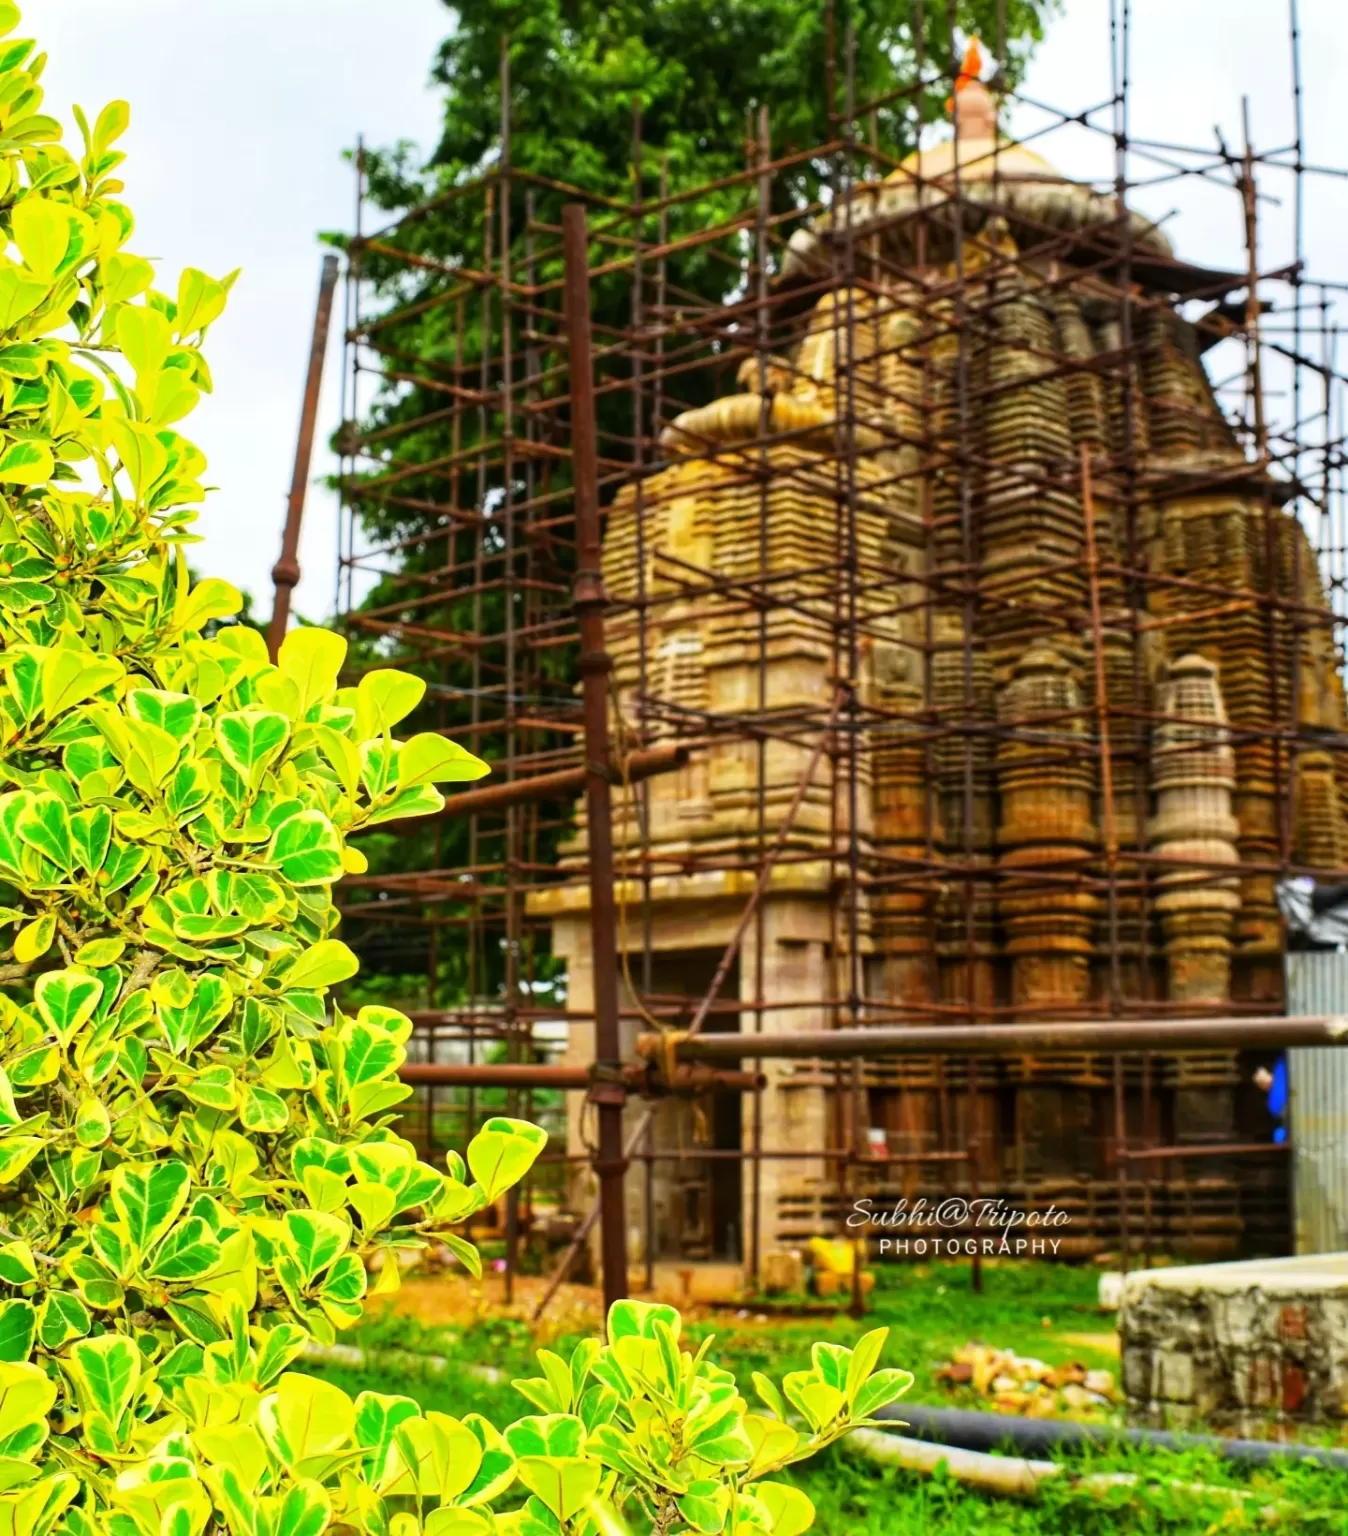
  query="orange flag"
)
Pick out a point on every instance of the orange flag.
point(970, 69)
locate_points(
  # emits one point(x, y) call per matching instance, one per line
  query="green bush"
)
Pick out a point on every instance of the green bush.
point(198, 1163)
point(636, 1435)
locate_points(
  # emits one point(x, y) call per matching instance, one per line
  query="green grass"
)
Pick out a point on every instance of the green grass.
point(930, 1312)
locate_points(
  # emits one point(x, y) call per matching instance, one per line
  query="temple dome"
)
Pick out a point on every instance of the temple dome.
point(911, 210)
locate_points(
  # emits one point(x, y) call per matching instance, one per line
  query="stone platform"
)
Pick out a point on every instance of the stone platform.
point(1252, 1348)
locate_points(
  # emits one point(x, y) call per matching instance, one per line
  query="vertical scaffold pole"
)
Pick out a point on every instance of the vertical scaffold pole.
point(595, 665)
point(286, 572)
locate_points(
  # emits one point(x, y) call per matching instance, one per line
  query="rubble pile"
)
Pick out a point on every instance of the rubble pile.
point(1020, 1384)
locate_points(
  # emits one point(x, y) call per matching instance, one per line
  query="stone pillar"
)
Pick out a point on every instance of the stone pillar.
point(1045, 783)
point(906, 827)
point(1320, 841)
point(1193, 777)
point(903, 819)
point(966, 942)
point(794, 1193)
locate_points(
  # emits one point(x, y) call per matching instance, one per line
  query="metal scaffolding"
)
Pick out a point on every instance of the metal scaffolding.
point(483, 575)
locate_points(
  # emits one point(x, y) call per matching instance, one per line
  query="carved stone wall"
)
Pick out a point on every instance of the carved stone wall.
point(1006, 753)
point(1194, 833)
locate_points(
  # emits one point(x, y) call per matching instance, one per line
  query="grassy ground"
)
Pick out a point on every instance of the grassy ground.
point(1045, 1310)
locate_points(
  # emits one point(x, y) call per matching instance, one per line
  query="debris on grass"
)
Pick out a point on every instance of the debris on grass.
point(1020, 1384)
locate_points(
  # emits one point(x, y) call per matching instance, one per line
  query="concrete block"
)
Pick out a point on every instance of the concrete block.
point(1175, 1377)
point(1137, 1373)
point(1240, 1347)
point(783, 1270)
point(1111, 1291)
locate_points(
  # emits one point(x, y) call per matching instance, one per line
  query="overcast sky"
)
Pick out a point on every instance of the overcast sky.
point(241, 110)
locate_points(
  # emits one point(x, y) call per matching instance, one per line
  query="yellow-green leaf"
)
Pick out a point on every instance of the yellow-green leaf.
point(19, 296)
point(93, 1125)
point(26, 463)
point(34, 939)
point(66, 1000)
point(113, 121)
point(145, 337)
point(791, 1510)
point(312, 1418)
point(70, 677)
point(99, 952)
point(142, 455)
point(502, 1152)
point(383, 698)
point(175, 396)
point(323, 965)
point(27, 1394)
point(124, 277)
point(200, 300)
point(429, 758)
point(342, 754)
point(312, 660)
point(16, 1152)
point(41, 230)
point(209, 599)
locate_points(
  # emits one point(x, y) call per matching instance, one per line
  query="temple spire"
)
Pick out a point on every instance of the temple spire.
point(977, 114)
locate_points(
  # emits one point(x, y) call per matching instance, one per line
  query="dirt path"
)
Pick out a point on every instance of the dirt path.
point(455, 1300)
point(1105, 1343)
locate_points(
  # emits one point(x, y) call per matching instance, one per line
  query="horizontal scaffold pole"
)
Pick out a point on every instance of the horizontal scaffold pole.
point(636, 1077)
point(1018, 1039)
point(543, 786)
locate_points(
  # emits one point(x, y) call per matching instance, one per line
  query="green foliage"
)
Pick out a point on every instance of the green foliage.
point(929, 1310)
point(681, 1447)
point(638, 1435)
point(196, 1152)
point(578, 67)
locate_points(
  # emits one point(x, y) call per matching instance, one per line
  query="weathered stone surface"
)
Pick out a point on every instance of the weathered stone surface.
point(896, 505)
point(1240, 1347)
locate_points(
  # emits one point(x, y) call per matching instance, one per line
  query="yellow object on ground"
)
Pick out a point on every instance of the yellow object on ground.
point(834, 1260)
point(833, 1255)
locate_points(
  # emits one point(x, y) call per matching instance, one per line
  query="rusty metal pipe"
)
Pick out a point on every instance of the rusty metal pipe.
point(544, 786)
point(595, 666)
point(465, 1074)
point(639, 1077)
point(1201, 1149)
point(1019, 1039)
point(286, 572)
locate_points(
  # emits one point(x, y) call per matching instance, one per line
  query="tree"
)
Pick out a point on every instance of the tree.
point(579, 71)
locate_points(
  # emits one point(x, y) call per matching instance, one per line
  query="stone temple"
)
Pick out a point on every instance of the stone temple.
point(1065, 787)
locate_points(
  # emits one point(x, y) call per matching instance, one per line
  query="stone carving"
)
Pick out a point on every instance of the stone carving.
point(1193, 776)
point(1044, 785)
point(979, 740)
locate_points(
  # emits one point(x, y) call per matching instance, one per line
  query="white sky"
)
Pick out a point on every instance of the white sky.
point(240, 111)
point(1191, 63)
point(241, 108)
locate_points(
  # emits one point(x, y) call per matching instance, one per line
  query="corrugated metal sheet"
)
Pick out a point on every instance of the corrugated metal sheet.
point(1318, 1086)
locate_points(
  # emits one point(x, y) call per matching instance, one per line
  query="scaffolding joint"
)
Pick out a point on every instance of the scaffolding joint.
point(608, 1083)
